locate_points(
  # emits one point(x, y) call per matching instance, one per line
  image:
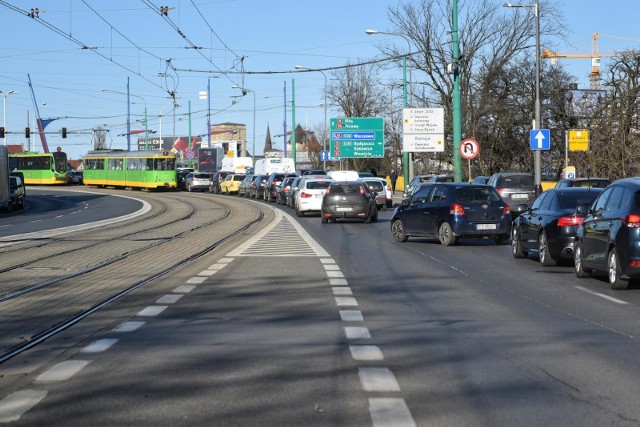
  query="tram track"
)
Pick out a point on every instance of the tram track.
point(41, 310)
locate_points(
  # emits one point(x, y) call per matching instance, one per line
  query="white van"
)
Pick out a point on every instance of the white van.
point(236, 164)
point(344, 175)
point(271, 165)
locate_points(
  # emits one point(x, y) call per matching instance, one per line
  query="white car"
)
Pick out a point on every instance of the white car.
point(310, 193)
point(384, 199)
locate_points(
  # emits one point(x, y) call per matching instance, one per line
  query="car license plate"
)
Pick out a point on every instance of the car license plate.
point(485, 226)
point(343, 209)
point(520, 196)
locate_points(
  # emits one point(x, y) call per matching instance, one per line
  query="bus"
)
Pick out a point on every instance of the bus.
point(41, 168)
point(147, 170)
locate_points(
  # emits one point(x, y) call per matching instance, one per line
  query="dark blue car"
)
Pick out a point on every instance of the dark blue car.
point(449, 211)
point(609, 236)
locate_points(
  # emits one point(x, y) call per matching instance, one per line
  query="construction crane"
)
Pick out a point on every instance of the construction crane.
point(596, 57)
point(594, 76)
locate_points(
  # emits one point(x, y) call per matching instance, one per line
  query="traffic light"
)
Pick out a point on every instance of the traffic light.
point(2, 132)
point(64, 132)
point(27, 132)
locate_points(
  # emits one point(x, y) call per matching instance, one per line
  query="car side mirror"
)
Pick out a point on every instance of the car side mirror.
point(523, 207)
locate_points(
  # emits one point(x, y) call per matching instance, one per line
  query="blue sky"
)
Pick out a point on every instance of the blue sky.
point(128, 39)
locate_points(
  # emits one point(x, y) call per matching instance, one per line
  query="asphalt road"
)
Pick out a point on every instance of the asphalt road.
point(346, 327)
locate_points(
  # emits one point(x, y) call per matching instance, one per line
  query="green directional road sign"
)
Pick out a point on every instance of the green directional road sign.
point(357, 137)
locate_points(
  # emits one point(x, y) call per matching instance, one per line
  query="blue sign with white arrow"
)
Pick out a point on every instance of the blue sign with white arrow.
point(540, 139)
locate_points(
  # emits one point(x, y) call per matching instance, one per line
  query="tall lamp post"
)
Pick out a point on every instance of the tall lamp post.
point(405, 154)
point(4, 108)
point(146, 128)
point(160, 117)
point(535, 9)
point(326, 126)
point(244, 92)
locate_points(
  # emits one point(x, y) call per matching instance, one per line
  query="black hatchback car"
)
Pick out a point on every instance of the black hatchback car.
point(609, 237)
point(549, 227)
point(349, 199)
point(449, 211)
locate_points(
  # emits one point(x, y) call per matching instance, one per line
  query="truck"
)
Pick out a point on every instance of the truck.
point(5, 199)
point(236, 164)
point(271, 165)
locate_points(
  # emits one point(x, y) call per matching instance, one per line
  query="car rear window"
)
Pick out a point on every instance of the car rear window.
point(470, 194)
point(346, 188)
point(572, 200)
point(202, 176)
point(375, 185)
point(318, 185)
point(516, 181)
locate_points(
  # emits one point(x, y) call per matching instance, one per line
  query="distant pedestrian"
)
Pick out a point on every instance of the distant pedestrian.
point(394, 179)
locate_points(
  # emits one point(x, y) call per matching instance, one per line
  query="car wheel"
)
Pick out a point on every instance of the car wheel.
point(21, 204)
point(502, 239)
point(324, 220)
point(616, 282)
point(375, 216)
point(445, 235)
point(578, 263)
point(516, 247)
point(543, 251)
point(189, 189)
point(397, 231)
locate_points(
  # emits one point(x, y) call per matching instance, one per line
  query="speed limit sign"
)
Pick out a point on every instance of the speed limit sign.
point(469, 148)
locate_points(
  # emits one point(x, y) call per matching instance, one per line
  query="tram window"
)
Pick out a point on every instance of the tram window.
point(134, 164)
point(171, 164)
point(149, 164)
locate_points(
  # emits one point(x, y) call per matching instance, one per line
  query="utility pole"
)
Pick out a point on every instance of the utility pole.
point(457, 109)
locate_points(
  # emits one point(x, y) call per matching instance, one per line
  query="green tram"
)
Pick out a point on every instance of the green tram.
point(41, 168)
point(150, 170)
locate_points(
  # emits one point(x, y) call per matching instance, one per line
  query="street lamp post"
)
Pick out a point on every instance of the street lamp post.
point(538, 120)
point(244, 92)
point(4, 109)
point(160, 117)
point(405, 154)
point(146, 128)
point(326, 126)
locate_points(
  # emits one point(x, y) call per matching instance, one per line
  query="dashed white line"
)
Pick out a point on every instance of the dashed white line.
point(342, 290)
point(338, 282)
point(331, 274)
point(607, 297)
point(197, 280)
point(378, 379)
point(129, 326)
point(184, 289)
point(13, 406)
point(331, 267)
point(62, 371)
point(351, 315)
point(99, 345)
point(357, 332)
point(366, 352)
point(390, 412)
point(152, 310)
point(346, 301)
point(168, 299)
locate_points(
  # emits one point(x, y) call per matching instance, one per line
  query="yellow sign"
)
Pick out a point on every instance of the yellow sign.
point(578, 139)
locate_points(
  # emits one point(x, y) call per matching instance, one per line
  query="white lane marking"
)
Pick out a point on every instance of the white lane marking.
point(216, 267)
point(357, 332)
point(197, 280)
point(390, 412)
point(184, 289)
point(331, 274)
point(13, 406)
point(99, 345)
point(62, 371)
point(378, 379)
point(342, 290)
point(152, 310)
point(331, 267)
point(225, 260)
point(607, 297)
point(208, 272)
point(366, 352)
point(18, 238)
point(327, 261)
point(168, 299)
point(129, 326)
point(351, 316)
point(346, 301)
point(338, 282)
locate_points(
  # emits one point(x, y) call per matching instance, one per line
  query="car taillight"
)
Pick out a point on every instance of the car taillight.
point(632, 220)
point(506, 210)
point(565, 221)
point(362, 191)
point(328, 190)
point(305, 195)
point(500, 190)
point(456, 209)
